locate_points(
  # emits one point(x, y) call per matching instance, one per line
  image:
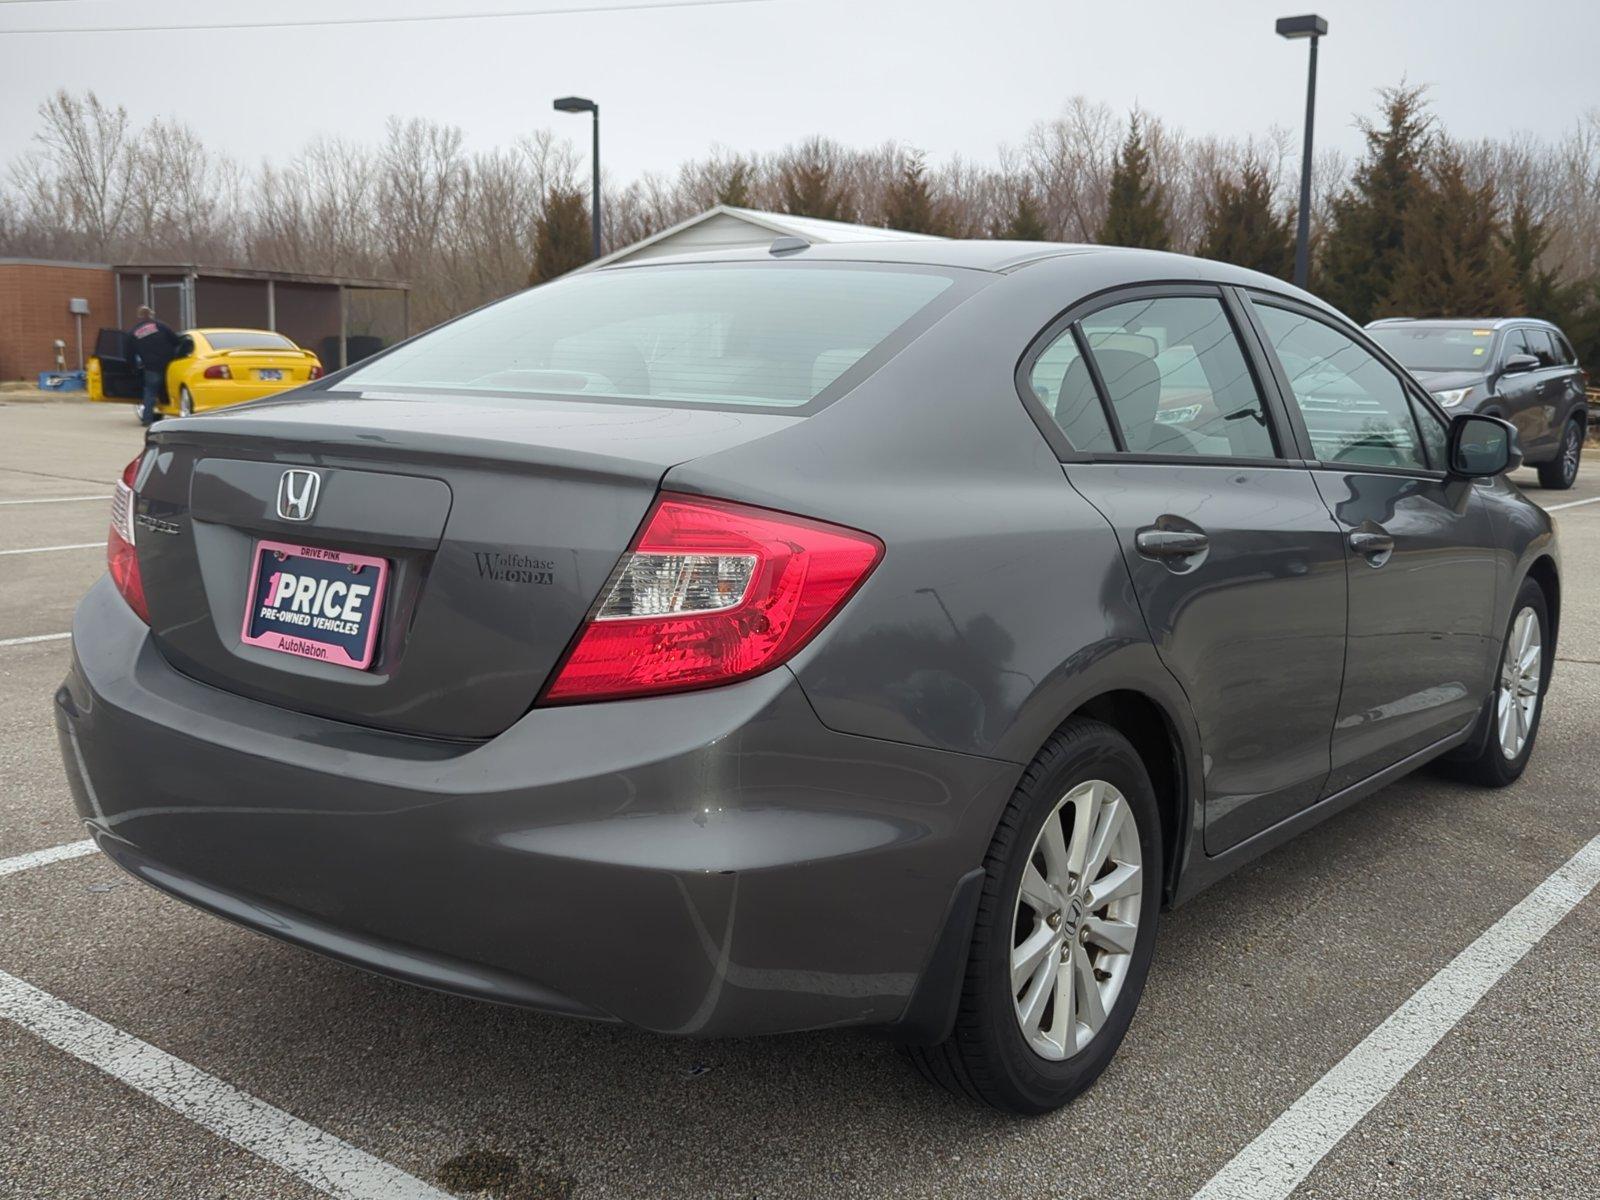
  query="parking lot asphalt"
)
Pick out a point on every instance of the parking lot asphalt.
point(1261, 986)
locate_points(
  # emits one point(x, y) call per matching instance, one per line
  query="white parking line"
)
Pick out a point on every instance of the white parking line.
point(55, 500)
point(1284, 1153)
point(39, 858)
point(37, 637)
point(1572, 504)
point(48, 549)
point(322, 1160)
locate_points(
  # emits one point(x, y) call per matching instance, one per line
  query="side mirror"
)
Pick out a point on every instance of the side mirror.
point(1482, 447)
point(1519, 363)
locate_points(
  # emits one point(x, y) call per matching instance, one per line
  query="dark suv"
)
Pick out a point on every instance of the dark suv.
point(1513, 367)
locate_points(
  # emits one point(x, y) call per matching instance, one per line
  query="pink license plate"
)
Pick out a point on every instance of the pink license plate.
point(315, 603)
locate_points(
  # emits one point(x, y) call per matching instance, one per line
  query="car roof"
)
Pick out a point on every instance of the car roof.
point(1461, 322)
point(992, 255)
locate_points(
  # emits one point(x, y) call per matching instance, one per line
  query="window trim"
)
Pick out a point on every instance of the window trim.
point(1069, 321)
point(1340, 324)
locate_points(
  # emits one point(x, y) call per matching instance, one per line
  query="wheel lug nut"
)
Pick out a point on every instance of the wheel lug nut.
point(1054, 920)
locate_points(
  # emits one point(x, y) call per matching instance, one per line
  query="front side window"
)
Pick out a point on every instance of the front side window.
point(1355, 409)
point(1177, 379)
point(761, 334)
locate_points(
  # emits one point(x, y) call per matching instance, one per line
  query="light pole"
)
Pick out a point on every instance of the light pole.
point(1313, 27)
point(577, 104)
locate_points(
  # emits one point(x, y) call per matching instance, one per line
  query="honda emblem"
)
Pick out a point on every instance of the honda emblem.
point(297, 494)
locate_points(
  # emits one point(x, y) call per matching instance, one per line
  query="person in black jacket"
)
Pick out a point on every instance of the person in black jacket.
point(155, 345)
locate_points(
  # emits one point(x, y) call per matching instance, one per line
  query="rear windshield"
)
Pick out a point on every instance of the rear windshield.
point(760, 334)
point(1461, 348)
point(247, 339)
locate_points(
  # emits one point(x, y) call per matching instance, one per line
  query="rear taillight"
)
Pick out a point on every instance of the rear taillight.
point(711, 592)
point(218, 371)
point(315, 372)
point(121, 558)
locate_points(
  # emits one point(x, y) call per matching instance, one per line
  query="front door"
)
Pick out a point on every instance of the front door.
point(1418, 543)
point(1521, 393)
point(1236, 563)
point(118, 375)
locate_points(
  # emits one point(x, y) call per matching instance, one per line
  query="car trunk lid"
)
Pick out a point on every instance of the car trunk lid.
point(499, 522)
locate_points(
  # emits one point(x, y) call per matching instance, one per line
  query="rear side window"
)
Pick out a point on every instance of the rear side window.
point(1177, 379)
point(1356, 410)
point(759, 334)
point(1062, 384)
point(1564, 349)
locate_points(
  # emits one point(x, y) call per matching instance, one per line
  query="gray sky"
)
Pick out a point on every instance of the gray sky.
point(948, 76)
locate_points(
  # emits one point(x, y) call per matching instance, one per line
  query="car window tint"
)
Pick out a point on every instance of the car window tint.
point(1543, 347)
point(1517, 343)
point(246, 339)
point(1177, 379)
point(1356, 410)
point(1062, 384)
point(1564, 348)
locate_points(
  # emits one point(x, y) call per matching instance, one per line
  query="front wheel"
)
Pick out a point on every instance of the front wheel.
point(185, 402)
point(1517, 701)
point(1562, 471)
point(1065, 929)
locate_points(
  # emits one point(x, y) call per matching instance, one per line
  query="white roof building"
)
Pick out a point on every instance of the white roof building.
point(727, 228)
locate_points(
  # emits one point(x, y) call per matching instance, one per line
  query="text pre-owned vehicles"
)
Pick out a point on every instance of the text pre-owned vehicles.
point(213, 369)
point(843, 635)
point(1513, 367)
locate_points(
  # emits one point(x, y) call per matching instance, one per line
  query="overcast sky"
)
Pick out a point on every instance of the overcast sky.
point(949, 76)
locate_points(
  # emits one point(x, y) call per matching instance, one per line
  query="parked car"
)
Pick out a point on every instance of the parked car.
point(836, 636)
point(1513, 367)
point(214, 368)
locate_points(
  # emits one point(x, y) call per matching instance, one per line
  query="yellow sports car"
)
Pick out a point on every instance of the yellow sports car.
point(214, 368)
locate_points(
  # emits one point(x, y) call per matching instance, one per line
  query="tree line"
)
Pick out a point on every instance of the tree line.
point(1420, 223)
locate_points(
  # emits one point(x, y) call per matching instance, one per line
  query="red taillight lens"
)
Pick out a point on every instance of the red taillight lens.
point(712, 592)
point(218, 371)
point(122, 560)
point(315, 373)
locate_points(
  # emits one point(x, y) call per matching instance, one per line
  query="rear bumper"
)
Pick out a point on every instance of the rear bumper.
point(711, 864)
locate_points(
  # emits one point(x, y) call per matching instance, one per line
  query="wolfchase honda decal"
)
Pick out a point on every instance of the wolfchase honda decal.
point(316, 603)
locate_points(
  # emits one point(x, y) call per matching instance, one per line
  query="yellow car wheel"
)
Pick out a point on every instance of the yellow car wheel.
point(185, 402)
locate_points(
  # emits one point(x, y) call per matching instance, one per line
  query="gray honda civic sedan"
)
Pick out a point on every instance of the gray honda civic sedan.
point(873, 634)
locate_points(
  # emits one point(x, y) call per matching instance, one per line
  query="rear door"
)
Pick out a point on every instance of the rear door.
point(1421, 561)
point(1236, 563)
point(118, 375)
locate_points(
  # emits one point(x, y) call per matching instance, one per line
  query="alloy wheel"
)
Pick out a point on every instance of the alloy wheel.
point(1076, 919)
point(185, 403)
point(1571, 448)
point(1521, 669)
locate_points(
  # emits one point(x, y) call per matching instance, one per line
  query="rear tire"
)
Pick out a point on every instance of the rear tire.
point(1513, 709)
point(1561, 472)
point(1096, 925)
point(185, 402)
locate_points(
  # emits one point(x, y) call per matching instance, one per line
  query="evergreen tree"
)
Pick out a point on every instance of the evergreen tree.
point(561, 239)
point(910, 204)
point(1452, 262)
point(1362, 247)
point(1244, 227)
point(1526, 238)
point(811, 183)
point(1136, 214)
point(1026, 223)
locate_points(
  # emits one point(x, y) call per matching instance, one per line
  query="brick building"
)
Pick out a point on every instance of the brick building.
point(35, 295)
point(339, 318)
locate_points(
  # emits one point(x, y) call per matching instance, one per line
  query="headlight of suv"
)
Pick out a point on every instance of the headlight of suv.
point(1452, 398)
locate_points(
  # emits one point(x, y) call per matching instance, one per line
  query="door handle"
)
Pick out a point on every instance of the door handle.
point(1170, 543)
point(1373, 545)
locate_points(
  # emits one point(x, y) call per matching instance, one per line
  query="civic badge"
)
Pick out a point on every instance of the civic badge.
point(297, 494)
